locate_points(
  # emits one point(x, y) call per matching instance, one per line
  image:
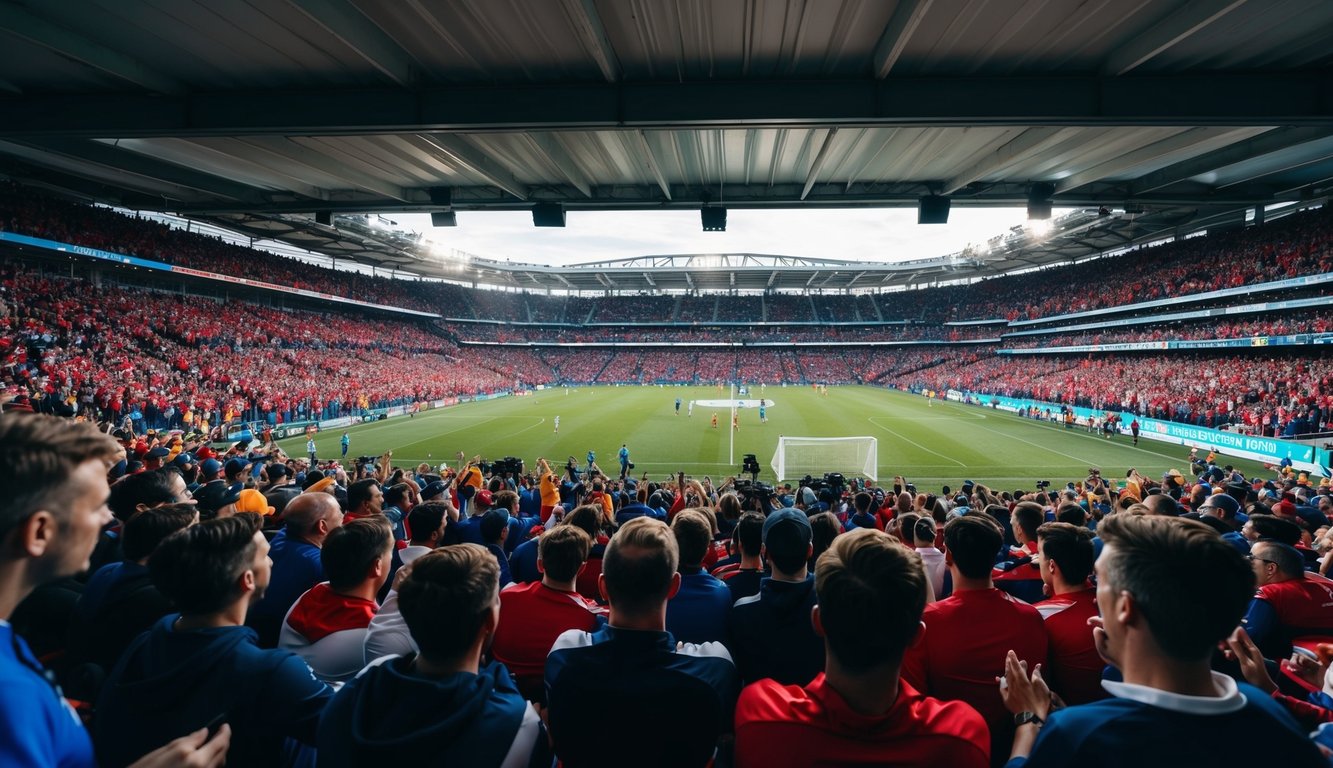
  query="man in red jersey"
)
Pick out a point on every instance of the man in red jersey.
point(871, 592)
point(969, 633)
point(533, 615)
point(1288, 603)
point(1075, 668)
point(1021, 576)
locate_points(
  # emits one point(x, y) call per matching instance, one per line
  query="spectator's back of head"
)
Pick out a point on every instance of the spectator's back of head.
point(1274, 528)
point(639, 567)
point(586, 518)
point(305, 512)
point(360, 492)
point(149, 528)
point(1190, 585)
point(923, 532)
point(146, 489)
point(749, 534)
point(972, 542)
point(694, 532)
point(872, 592)
point(788, 541)
point(448, 596)
point(1070, 548)
point(494, 524)
point(562, 551)
point(1027, 516)
point(200, 568)
point(426, 519)
point(1074, 514)
point(506, 500)
point(1161, 504)
point(353, 548)
point(824, 528)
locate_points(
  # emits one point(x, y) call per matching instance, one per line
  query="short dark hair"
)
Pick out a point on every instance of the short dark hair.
point(863, 501)
point(563, 550)
point(973, 542)
point(1287, 559)
point(824, 528)
point(694, 534)
point(749, 534)
point(1028, 516)
point(148, 488)
point(1070, 547)
point(396, 493)
point(146, 530)
point(358, 493)
point(1071, 513)
point(425, 519)
point(642, 582)
point(872, 592)
point(1191, 585)
point(587, 518)
point(37, 455)
point(197, 568)
point(352, 548)
point(924, 530)
point(445, 598)
point(1274, 528)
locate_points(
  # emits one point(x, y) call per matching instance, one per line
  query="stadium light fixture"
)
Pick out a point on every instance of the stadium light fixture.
point(1039, 228)
point(1039, 200)
point(714, 219)
point(932, 209)
point(548, 215)
point(443, 219)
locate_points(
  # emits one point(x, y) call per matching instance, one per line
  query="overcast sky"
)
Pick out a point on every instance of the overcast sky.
point(862, 234)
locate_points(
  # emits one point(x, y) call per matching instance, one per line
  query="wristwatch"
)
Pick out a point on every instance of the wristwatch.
point(1023, 718)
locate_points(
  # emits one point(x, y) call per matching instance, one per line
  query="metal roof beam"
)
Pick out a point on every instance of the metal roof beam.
point(549, 145)
point(1297, 98)
point(462, 155)
point(907, 16)
point(1026, 144)
point(1258, 146)
point(1186, 21)
point(15, 20)
point(345, 22)
point(818, 164)
point(588, 24)
point(1180, 142)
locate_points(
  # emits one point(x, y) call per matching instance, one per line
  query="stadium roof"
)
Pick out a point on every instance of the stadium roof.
point(259, 115)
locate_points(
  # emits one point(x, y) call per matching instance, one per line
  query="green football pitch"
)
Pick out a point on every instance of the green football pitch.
point(928, 443)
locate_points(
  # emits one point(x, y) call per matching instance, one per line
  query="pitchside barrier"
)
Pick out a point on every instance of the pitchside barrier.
point(1269, 450)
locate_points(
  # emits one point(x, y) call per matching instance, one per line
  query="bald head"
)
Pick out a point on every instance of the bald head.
point(1161, 504)
point(310, 516)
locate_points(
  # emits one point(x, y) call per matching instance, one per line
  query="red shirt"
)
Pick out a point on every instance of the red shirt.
point(966, 639)
point(1075, 668)
point(532, 616)
point(1304, 606)
point(321, 612)
point(790, 725)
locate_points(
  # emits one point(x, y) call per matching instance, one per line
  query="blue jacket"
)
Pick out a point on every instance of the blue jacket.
point(771, 634)
point(170, 683)
point(37, 727)
point(701, 610)
point(389, 715)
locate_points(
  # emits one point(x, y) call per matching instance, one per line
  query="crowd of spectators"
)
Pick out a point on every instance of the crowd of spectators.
point(471, 614)
point(596, 334)
point(1266, 394)
point(1191, 330)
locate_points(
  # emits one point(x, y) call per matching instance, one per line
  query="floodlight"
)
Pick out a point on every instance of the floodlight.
point(714, 219)
point(932, 209)
point(1039, 200)
point(548, 215)
point(324, 217)
point(443, 219)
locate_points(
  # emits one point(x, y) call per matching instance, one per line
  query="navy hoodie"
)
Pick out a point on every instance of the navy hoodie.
point(389, 715)
point(171, 683)
point(771, 634)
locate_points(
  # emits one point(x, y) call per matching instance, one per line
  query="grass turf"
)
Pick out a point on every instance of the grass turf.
point(931, 445)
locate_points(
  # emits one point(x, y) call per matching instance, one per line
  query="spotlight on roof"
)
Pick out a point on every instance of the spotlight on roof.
point(443, 219)
point(324, 217)
point(548, 215)
point(1039, 200)
point(714, 219)
point(932, 209)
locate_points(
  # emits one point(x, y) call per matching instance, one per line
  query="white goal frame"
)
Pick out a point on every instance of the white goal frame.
point(856, 455)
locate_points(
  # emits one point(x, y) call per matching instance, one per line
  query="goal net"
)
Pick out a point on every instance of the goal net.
point(800, 456)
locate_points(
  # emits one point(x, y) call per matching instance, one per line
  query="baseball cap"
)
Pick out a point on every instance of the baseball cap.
point(210, 467)
point(787, 519)
point(493, 522)
point(433, 490)
point(250, 500)
point(276, 471)
point(215, 496)
point(235, 465)
point(484, 498)
point(158, 452)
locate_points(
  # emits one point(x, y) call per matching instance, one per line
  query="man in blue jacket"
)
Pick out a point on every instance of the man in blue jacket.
point(1169, 591)
point(202, 665)
point(443, 705)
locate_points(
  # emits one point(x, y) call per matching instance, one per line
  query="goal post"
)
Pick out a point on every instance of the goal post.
point(800, 456)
